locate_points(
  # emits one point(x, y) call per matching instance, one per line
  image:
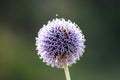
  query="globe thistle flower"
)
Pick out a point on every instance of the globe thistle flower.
point(60, 43)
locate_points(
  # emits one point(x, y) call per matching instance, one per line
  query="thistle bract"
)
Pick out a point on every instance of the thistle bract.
point(60, 42)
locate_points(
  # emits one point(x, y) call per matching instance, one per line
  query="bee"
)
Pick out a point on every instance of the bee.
point(64, 31)
point(61, 57)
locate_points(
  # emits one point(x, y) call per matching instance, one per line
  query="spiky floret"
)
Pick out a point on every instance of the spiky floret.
point(60, 42)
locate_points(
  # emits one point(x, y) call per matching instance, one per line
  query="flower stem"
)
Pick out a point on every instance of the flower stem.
point(67, 74)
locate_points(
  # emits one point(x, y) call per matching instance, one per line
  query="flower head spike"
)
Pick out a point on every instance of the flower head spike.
point(60, 42)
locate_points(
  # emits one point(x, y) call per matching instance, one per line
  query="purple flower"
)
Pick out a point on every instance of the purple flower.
point(60, 42)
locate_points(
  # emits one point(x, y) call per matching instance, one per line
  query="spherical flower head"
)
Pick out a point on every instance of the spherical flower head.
point(60, 42)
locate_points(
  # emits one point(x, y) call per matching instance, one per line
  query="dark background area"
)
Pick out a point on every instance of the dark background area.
point(20, 21)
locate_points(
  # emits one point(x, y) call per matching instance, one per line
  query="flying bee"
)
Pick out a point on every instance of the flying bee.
point(64, 31)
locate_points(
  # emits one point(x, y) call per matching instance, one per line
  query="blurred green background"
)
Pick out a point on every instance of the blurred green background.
point(20, 21)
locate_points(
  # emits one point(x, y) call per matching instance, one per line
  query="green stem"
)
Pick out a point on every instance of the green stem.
point(67, 74)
